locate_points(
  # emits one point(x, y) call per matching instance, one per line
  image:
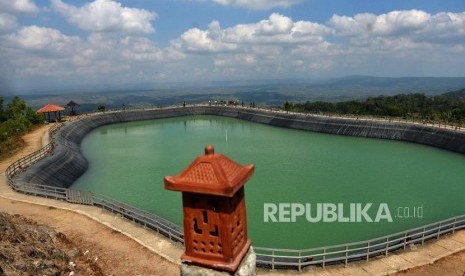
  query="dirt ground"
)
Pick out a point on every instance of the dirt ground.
point(450, 265)
point(116, 254)
point(33, 142)
point(113, 252)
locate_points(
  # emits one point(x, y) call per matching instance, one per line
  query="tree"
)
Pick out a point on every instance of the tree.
point(16, 108)
point(101, 107)
point(33, 117)
point(16, 119)
point(2, 113)
point(287, 106)
point(412, 106)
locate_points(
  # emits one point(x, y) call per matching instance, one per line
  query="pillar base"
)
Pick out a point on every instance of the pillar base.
point(246, 268)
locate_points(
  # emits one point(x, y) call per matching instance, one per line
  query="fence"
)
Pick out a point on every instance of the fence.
point(266, 257)
point(279, 110)
point(30, 159)
point(364, 250)
point(373, 118)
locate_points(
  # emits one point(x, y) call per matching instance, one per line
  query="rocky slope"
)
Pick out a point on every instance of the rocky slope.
point(27, 248)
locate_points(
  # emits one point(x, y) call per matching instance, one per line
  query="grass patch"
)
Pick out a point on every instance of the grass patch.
point(11, 146)
point(14, 144)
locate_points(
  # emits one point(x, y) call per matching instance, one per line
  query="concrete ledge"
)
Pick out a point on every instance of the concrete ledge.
point(246, 268)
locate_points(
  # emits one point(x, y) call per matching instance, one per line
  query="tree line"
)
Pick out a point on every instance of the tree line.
point(444, 108)
point(15, 119)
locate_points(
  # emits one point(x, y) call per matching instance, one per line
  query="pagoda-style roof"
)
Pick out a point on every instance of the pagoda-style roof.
point(50, 108)
point(213, 174)
point(72, 104)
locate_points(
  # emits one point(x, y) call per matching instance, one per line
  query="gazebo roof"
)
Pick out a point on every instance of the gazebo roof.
point(72, 103)
point(50, 108)
point(213, 174)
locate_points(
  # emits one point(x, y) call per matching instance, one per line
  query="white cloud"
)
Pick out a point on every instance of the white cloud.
point(265, 48)
point(258, 4)
point(18, 6)
point(39, 51)
point(10, 9)
point(34, 38)
point(276, 24)
point(107, 16)
point(279, 44)
point(400, 33)
point(445, 28)
point(276, 30)
point(7, 22)
point(412, 24)
point(210, 40)
point(398, 42)
point(392, 23)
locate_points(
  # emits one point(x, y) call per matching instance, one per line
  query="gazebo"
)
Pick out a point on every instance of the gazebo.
point(51, 108)
point(72, 104)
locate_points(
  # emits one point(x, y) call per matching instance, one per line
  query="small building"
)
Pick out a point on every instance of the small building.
point(72, 105)
point(51, 109)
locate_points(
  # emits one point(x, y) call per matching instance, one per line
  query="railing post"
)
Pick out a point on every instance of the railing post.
point(368, 251)
point(439, 230)
point(405, 240)
point(347, 255)
point(272, 259)
point(324, 257)
point(423, 236)
point(387, 246)
point(453, 227)
point(300, 260)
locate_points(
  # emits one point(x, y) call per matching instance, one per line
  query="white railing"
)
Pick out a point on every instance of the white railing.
point(363, 250)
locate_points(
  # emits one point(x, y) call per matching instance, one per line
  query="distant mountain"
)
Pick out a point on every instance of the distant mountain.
point(269, 92)
point(431, 85)
point(360, 87)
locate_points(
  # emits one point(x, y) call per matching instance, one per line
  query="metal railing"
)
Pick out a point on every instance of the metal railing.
point(149, 220)
point(163, 226)
point(363, 250)
point(266, 257)
point(371, 118)
point(28, 160)
point(278, 110)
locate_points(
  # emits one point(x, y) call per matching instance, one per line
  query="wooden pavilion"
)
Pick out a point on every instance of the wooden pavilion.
point(51, 108)
point(72, 104)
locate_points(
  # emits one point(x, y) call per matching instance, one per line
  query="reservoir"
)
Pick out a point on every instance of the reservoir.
point(351, 179)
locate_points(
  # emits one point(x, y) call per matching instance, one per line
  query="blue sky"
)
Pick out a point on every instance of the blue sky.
point(51, 43)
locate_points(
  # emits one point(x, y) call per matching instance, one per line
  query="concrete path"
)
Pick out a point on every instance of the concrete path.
point(415, 255)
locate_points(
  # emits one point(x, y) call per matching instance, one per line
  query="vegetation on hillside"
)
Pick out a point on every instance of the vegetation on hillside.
point(15, 120)
point(446, 108)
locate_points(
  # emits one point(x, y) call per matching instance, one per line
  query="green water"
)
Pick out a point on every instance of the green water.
point(128, 162)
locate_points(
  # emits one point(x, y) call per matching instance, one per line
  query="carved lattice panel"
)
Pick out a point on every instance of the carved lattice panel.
point(205, 223)
point(238, 221)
